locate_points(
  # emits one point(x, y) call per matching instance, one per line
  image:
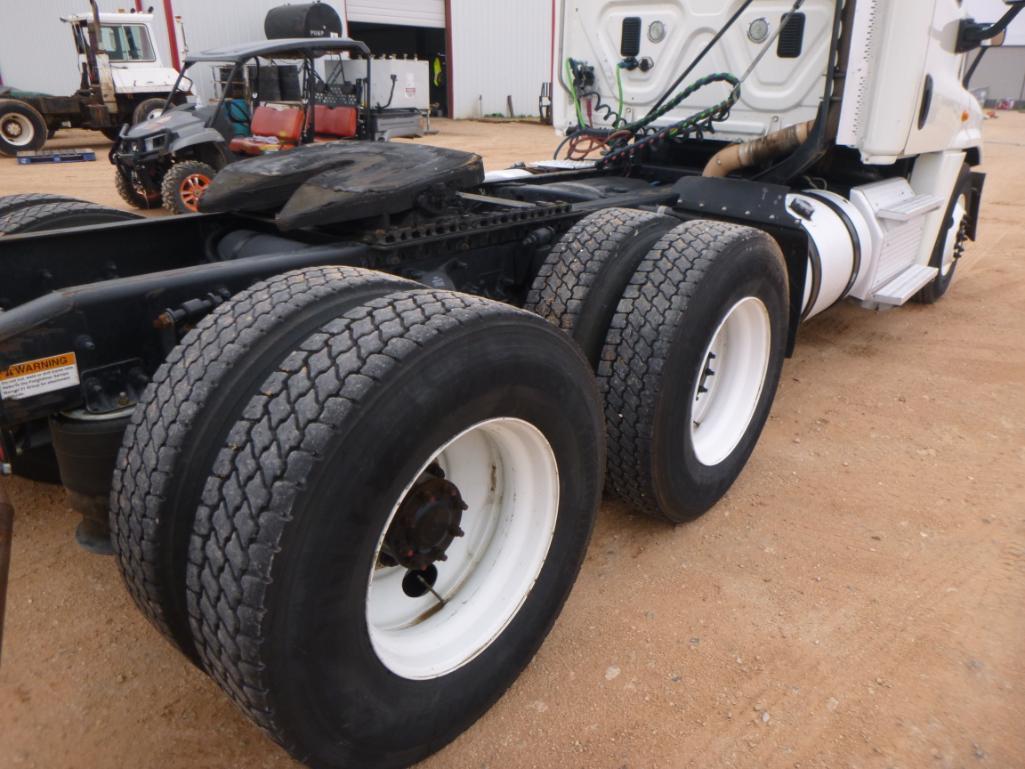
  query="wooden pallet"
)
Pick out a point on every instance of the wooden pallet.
point(80, 155)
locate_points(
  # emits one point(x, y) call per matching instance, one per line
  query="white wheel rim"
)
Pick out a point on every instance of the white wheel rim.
point(154, 113)
point(17, 130)
point(730, 381)
point(950, 246)
point(507, 474)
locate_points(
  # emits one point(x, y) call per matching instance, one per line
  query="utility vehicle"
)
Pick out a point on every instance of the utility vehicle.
point(123, 80)
point(172, 158)
point(352, 424)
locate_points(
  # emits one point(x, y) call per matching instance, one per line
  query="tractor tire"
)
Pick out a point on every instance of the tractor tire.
point(184, 416)
point(22, 128)
point(352, 462)
point(950, 242)
point(132, 195)
point(183, 185)
point(147, 109)
point(59, 215)
point(691, 366)
point(582, 279)
point(9, 203)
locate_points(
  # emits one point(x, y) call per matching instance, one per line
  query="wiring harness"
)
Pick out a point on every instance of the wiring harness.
point(623, 140)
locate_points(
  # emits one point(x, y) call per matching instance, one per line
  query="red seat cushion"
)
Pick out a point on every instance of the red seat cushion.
point(283, 126)
point(334, 121)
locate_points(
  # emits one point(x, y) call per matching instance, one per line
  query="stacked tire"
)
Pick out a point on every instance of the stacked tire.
point(350, 499)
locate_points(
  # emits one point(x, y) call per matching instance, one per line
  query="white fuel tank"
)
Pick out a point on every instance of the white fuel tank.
point(840, 240)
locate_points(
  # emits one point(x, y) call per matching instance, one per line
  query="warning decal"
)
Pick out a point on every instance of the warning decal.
point(35, 377)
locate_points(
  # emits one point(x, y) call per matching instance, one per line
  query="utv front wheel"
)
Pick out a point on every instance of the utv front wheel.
point(132, 193)
point(184, 185)
point(395, 524)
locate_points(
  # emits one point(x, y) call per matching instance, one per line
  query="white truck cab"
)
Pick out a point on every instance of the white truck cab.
point(865, 89)
point(128, 45)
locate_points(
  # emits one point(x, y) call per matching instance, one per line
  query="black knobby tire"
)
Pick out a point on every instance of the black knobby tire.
point(582, 279)
point(9, 203)
point(292, 516)
point(656, 355)
point(173, 187)
point(59, 215)
point(185, 414)
point(144, 108)
point(133, 195)
point(22, 128)
point(935, 290)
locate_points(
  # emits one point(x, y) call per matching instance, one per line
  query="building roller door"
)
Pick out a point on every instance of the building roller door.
point(411, 13)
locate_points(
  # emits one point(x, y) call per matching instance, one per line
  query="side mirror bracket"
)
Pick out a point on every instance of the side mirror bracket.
point(973, 34)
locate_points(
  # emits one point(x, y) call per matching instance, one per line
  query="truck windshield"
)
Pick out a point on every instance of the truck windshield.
point(126, 42)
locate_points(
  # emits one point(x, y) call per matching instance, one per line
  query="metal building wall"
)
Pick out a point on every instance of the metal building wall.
point(1002, 74)
point(500, 48)
point(37, 52)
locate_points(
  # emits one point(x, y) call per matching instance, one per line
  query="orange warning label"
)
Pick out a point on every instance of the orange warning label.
point(34, 377)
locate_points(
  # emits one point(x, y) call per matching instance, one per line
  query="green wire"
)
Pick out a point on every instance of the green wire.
point(573, 92)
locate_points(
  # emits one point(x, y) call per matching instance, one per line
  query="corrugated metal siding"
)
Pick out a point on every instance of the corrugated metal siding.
point(409, 13)
point(499, 49)
point(1002, 73)
point(37, 52)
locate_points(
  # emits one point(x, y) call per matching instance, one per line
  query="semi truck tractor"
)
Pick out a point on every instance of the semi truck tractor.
point(122, 81)
point(346, 429)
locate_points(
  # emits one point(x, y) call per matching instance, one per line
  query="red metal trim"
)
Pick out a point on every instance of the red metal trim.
point(449, 91)
point(552, 60)
point(138, 6)
point(172, 35)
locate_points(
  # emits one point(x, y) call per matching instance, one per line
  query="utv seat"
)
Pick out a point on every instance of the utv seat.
point(273, 129)
point(334, 122)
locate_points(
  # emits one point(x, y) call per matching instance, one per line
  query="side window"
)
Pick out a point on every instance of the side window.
point(126, 42)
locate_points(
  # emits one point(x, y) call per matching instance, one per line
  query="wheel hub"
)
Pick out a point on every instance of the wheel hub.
point(12, 129)
point(426, 523)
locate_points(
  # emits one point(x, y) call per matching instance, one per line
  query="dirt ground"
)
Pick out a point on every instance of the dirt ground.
point(857, 600)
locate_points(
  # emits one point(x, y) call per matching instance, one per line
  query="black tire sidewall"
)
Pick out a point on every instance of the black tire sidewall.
point(210, 429)
point(318, 634)
point(685, 487)
point(38, 125)
point(143, 107)
point(935, 290)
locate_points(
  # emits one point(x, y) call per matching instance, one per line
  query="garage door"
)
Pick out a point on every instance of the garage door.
point(410, 13)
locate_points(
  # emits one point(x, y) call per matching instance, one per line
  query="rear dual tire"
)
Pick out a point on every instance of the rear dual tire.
point(691, 366)
point(690, 351)
point(186, 413)
point(293, 606)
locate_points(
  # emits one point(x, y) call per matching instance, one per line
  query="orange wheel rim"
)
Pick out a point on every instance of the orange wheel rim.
point(191, 190)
